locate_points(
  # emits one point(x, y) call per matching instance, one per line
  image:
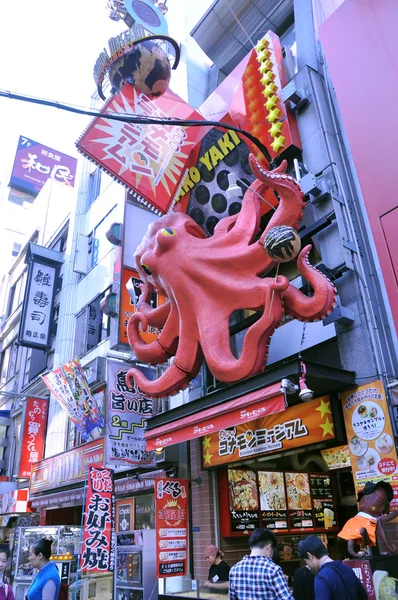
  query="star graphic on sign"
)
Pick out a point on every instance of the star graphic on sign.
point(275, 129)
point(273, 115)
point(278, 143)
point(265, 66)
point(206, 442)
point(324, 408)
point(261, 44)
point(327, 427)
point(207, 457)
point(269, 89)
point(262, 56)
point(271, 102)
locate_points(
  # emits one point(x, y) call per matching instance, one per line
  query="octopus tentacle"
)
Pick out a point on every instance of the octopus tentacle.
point(291, 205)
point(176, 377)
point(160, 349)
point(218, 355)
point(310, 308)
point(156, 317)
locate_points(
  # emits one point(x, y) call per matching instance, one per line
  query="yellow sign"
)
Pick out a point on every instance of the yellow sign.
point(370, 437)
point(337, 458)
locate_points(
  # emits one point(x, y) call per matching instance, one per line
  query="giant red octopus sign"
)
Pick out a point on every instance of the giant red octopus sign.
point(207, 278)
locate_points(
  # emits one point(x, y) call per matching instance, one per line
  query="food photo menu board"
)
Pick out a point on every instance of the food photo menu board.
point(283, 502)
point(272, 500)
point(243, 500)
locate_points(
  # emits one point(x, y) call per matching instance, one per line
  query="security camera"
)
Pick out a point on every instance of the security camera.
point(306, 394)
point(287, 387)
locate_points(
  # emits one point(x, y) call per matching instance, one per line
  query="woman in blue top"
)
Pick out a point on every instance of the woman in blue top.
point(46, 584)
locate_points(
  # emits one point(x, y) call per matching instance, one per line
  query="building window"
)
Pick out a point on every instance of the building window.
point(8, 362)
point(16, 249)
point(94, 187)
point(92, 326)
point(16, 294)
point(99, 245)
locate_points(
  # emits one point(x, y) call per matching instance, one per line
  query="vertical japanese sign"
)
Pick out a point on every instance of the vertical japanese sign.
point(150, 158)
point(35, 163)
point(370, 437)
point(126, 416)
point(171, 510)
point(68, 384)
point(98, 549)
point(33, 434)
point(34, 331)
point(363, 571)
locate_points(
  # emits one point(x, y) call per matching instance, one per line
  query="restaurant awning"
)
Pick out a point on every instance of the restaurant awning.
point(242, 409)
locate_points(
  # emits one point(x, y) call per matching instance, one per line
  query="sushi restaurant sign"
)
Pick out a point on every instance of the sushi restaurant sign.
point(370, 437)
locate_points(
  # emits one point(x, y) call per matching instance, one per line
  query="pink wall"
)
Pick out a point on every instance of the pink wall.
point(360, 41)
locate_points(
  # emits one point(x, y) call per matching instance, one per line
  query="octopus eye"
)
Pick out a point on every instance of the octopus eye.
point(167, 231)
point(146, 269)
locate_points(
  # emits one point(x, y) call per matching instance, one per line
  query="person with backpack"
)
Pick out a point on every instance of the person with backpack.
point(334, 580)
point(6, 592)
point(47, 582)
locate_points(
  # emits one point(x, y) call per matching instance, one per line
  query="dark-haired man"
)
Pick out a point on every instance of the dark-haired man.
point(257, 576)
point(334, 580)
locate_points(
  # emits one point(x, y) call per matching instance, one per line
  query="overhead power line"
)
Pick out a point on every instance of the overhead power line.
point(138, 119)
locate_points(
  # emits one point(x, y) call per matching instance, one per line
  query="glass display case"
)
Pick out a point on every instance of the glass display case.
point(64, 539)
point(175, 588)
point(135, 570)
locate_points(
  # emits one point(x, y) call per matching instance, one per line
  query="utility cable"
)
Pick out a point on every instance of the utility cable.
point(139, 119)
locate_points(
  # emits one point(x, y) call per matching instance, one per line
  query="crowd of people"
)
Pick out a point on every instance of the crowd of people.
point(258, 575)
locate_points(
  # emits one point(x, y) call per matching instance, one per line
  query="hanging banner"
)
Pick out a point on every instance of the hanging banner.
point(126, 416)
point(298, 426)
point(69, 385)
point(370, 437)
point(98, 550)
point(171, 511)
point(33, 435)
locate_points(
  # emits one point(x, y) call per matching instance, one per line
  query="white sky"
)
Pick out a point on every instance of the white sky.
point(48, 49)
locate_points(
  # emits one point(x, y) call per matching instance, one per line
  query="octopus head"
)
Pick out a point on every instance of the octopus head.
point(167, 236)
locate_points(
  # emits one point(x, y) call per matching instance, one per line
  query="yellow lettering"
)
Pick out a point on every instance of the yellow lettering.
point(188, 185)
point(226, 145)
point(215, 155)
point(194, 174)
point(206, 161)
point(235, 137)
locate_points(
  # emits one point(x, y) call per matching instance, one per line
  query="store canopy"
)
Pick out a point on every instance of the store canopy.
point(242, 409)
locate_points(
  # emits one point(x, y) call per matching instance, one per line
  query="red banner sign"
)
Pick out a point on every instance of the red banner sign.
point(149, 159)
point(33, 436)
point(171, 508)
point(98, 551)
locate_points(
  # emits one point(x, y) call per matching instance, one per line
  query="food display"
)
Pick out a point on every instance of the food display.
point(298, 491)
point(337, 458)
point(243, 500)
point(280, 501)
point(272, 499)
point(243, 489)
